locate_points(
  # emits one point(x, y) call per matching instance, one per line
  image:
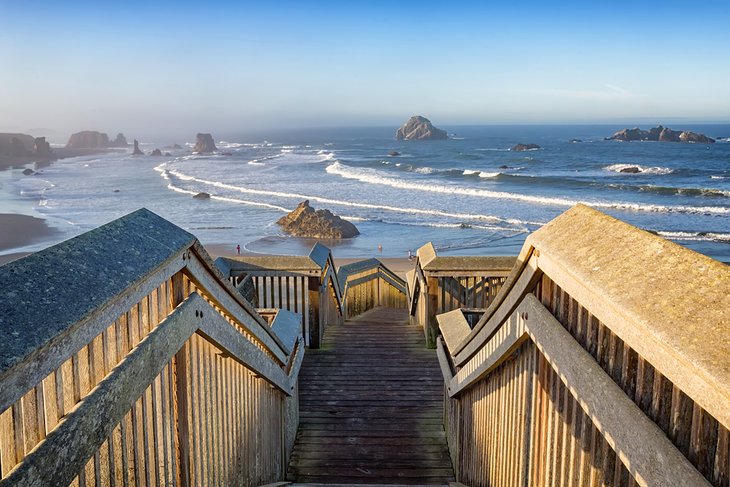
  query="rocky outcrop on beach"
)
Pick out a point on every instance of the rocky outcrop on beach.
point(119, 141)
point(137, 151)
point(204, 143)
point(305, 221)
point(420, 128)
point(660, 134)
point(524, 147)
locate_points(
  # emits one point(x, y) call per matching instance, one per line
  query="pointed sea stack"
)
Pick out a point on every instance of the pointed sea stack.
point(137, 151)
point(420, 128)
point(204, 143)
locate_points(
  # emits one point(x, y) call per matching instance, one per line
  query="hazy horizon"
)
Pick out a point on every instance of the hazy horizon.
point(177, 68)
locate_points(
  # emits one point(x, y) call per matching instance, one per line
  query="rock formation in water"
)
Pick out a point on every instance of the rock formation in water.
point(88, 139)
point(28, 172)
point(420, 128)
point(631, 170)
point(42, 148)
point(660, 134)
point(305, 221)
point(393, 153)
point(204, 143)
point(202, 196)
point(119, 141)
point(137, 151)
point(16, 144)
point(524, 147)
point(156, 152)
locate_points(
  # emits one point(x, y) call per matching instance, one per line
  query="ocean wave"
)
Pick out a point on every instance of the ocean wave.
point(178, 189)
point(490, 149)
point(373, 177)
point(642, 169)
point(710, 192)
point(696, 236)
point(719, 177)
point(481, 174)
point(414, 211)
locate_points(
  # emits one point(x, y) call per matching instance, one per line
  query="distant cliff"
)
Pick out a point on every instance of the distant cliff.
point(23, 145)
point(420, 128)
point(660, 134)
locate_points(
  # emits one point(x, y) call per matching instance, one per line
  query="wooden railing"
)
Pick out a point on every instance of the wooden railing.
point(302, 284)
point(604, 360)
point(127, 358)
point(440, 284)
point(367, 284)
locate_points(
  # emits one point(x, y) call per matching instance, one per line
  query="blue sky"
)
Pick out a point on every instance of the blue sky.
point(172, 67)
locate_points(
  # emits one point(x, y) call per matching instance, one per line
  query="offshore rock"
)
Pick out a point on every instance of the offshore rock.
point(15, 144)
point(42, 148)
point(420, 128)
point(305, 221)
point(156, 152)
point(202, 196)
point(119, 141)
point(660, 134)
point(88, 139)
point(524, 147)
point(137, 151)
point(204, 143)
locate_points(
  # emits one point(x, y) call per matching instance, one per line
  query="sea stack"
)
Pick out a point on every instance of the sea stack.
point(137, 151)
point(305, 221)
point(660, 134)
point(119, 141)
point(88, 139)
point(42, 148)
point(420, 128)
point(204, 143)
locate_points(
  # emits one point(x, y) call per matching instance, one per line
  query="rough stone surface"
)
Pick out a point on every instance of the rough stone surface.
point(11, 144)
point(660, 134)
point(43, 294)
point(631, 170)
point(119, 141)
point(204, 143)
point(88, 139)
point(524, 147)
point(137, 151)
point(202, 196)
point(420, 128)
point(305, 221)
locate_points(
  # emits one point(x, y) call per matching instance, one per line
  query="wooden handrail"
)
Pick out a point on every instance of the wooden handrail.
point(67, 448)
point(359, 275)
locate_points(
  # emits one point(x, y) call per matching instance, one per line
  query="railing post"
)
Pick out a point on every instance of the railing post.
point(431, 325)
point(314, 288)
point(177, 295)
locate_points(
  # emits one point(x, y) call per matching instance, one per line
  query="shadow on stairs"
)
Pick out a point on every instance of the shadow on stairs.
point(371, 407)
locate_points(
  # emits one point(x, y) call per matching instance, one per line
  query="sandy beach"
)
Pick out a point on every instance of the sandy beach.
point(20, 230)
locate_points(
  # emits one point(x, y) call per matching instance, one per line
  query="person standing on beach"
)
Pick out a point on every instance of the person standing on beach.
point(238, 249)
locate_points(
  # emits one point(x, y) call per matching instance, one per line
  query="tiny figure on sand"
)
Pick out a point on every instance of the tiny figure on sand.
point(238, 249)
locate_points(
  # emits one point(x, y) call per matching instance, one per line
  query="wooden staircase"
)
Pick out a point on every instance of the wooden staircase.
point(371, 406)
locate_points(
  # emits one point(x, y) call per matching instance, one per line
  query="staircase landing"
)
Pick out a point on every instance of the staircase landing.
point(371, 407)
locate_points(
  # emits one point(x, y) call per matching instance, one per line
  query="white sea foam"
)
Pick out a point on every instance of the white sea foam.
point(177, 189)
point(718, 177)
point(697, 236)
point(483, 174)
point(374, 177)
point(469, 172)
point(424, 170)
point(415, 211)
point(642, 169)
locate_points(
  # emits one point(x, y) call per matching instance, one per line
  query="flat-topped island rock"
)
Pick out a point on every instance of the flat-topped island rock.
point(660, 134)
point(305, 221)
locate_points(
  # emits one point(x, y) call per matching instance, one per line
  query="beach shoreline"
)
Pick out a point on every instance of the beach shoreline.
point(19, 231)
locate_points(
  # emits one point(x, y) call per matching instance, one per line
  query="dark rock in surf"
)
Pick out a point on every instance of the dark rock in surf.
point(41, 148)
point(28, 172)
point(660, 134)
point(204, 143)
point(137, 151)
point(393, 153)
point(631, 170)
point(524, 147)
point(156, 153)
point(305, 221)
point(420, 128)
point(202, 196)
point(119, 141)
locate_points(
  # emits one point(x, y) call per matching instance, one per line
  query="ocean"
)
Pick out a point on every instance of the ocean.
point(469, 195)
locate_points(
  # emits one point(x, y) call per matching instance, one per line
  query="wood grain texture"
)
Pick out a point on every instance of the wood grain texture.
point(371, 405)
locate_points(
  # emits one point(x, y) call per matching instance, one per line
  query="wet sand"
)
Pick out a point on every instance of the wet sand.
point(20, 230)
